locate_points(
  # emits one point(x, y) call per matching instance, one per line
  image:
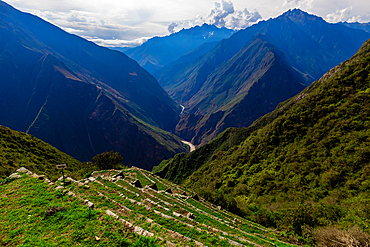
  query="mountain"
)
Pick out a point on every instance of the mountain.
point(81, 98)
point(19, 149)
point(357, 25)
point(304, 166)
point(159, 51)
point(210, 86)
point(183, 60)
point(138, 210)
point(247, 86)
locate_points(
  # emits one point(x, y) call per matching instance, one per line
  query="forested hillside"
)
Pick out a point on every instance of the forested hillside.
point(310, 167)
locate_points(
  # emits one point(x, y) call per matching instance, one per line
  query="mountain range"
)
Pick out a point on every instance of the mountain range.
point(160, 51)
point(303, 167)
point(357, 25)
point(81, 98)
point(234, 82)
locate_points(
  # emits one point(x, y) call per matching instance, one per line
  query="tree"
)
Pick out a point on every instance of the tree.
point(108, 160)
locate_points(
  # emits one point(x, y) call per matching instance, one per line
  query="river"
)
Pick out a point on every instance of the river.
point(192, 147)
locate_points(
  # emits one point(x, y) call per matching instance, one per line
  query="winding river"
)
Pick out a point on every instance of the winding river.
point(192, 147)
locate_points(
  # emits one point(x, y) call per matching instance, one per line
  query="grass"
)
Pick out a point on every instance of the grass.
point(25, 221)
point(37, 214)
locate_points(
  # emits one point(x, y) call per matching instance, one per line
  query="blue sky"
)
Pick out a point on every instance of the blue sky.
point(132, 22)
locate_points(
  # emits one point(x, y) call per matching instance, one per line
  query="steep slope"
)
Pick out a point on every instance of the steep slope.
point(310, 45)
point(310, 166)
point(246, 87)
point(159, 51)
point(183, 61)
point(81, 98)
point(18, 149)
point(127, 207)
point(179, 168)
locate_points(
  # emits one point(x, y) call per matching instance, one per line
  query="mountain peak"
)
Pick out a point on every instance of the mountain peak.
point(298, 15)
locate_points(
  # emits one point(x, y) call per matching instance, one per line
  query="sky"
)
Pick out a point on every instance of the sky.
point(121, 23)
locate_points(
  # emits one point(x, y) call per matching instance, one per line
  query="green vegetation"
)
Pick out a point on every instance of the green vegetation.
point(307, 164)
point(34, 215)
point(35, 212)
point(18, 149)
point(108, 160)
point(183, 165)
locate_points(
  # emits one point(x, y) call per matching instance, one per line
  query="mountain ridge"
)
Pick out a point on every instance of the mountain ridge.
point(58, 86)
point(308, 51)
point(160, 51)
point(305, 167)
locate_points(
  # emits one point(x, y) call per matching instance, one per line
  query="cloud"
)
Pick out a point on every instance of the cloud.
point(307, 4)
point(343, 15)
point(223, 14)
point(172, 26)
point(90, 24)
point(242, 19)
point(219, 12)
point(116, 42)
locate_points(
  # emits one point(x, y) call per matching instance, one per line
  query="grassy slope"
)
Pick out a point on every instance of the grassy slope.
point(308, 168)
point(25, 220)
point(18, 149)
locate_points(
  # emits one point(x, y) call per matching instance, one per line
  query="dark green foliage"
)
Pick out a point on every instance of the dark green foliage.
point(18, 149)
point(310, 166)
point(183, 165)
point(108, 160)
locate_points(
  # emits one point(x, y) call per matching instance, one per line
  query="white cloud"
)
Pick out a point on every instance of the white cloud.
point(243, 19)
point(171, 27)
point(219, 12)
point(307, 4)
point(132, 19)
point(343, 15)
point(116, 42)
point(223, 14)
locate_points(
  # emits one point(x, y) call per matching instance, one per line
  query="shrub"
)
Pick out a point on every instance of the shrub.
point(332, 236)
point(108, 160)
